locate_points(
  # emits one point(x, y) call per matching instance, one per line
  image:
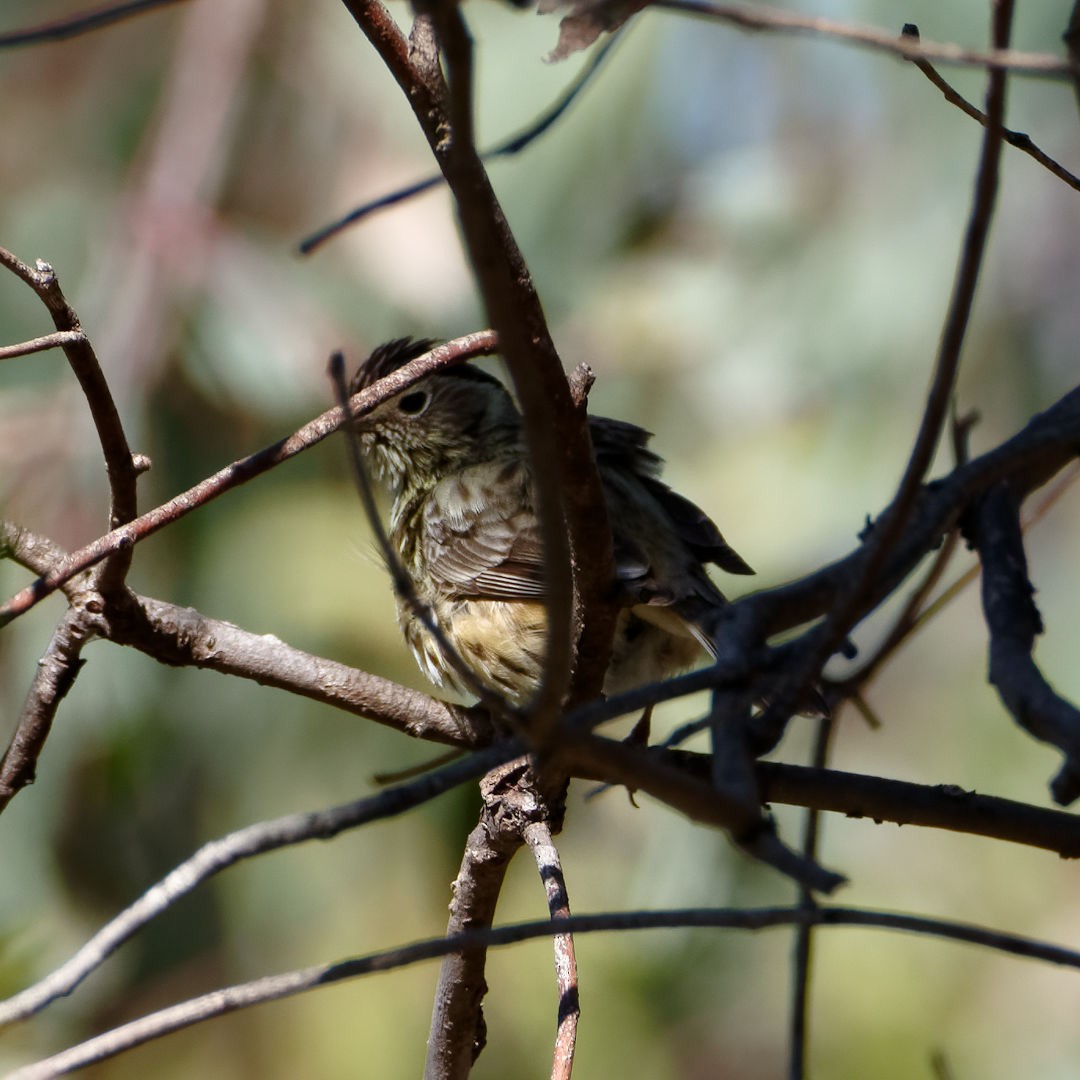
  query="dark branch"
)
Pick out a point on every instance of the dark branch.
point(76, 25)
point(510, 146)
point(1014, 623)
point(1014, 138)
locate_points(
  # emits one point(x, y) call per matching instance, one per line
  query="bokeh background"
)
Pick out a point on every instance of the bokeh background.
point(751, 239)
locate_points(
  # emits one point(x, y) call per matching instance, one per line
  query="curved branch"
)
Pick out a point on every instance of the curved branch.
point(1014, 623)
point(538, 837)
point(887, 532)
point(76, 25)
point(275, 987)
point(184, 637)
point(218, 855)
point(121, 467)
point(569, 500)
point(759, 17)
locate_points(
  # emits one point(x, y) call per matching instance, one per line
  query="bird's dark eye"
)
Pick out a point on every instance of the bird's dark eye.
point(413, 404)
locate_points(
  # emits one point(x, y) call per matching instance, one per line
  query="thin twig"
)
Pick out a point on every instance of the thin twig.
point(275, 987)
point(802, 952)
point(823, 641)
point(510, 146)
point(538, 837)
point(121, 467)
point(226, 851)
point(76, 25)
point(56, 340)
point(1013, 138)
point(759, 17)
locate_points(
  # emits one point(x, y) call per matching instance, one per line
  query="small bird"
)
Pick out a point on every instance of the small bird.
point(452, 453)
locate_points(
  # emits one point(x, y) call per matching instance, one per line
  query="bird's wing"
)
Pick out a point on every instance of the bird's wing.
point(481, 536)
point(624, 447)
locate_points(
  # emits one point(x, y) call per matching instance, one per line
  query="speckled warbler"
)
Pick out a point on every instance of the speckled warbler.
point(451, 450)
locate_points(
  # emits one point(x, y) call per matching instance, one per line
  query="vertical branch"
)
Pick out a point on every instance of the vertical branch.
point(121, 467)
point(569, 499)
point(802, 953)
point(889, 529)
point(1072, 43)
point(538, 837)
point(56, 672)
point(458, 1032)
point(1014, 622)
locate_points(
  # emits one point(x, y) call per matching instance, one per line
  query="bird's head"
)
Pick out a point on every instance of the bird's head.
point(451, 419)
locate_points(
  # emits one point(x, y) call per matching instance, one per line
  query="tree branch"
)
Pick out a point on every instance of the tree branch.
point(538, 837)
point(218, 855)
point(76, 25)
point(121, 467)
point(275, 987)
point(847, 608)
point(239, 472)
point(1014, 623)
point(759, 17)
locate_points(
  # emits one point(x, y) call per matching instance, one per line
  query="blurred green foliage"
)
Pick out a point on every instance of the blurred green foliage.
point(751, 239)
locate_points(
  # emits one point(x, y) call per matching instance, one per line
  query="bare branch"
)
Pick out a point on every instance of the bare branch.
point(458, 1030)
point(759, 17)
point(76, 25)
point(941, 806)
point(53, 678)
point(40, 344)
point(121, 467)
point(538, 837)
point(1014, 623)
point(184, 637)
point(239, 472)
point(274, 987)
point(888, 530)
point(560, 452)
point(220, 854)
point(1013, 138)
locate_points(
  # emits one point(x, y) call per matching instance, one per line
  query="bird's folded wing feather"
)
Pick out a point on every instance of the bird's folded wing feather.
point(481, 536)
